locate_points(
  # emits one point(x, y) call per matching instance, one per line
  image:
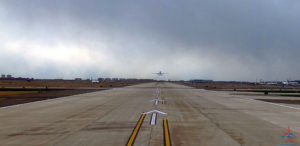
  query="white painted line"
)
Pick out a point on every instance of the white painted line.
point(156, 102)
point(261, 101)
point(155, 111)
point(153, 119)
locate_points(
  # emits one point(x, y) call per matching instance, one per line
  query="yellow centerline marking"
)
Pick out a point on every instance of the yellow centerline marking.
point(135, 131)
point(166, 133)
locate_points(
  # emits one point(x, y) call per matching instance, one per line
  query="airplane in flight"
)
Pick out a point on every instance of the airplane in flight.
point(160, 73)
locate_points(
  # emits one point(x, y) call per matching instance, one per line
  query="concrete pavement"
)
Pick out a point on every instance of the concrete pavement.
point(194, 116)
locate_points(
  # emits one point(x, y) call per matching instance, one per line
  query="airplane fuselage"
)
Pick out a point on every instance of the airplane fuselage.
point(159, 73)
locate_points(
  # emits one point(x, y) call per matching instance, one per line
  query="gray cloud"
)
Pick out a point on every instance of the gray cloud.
point(220, 40)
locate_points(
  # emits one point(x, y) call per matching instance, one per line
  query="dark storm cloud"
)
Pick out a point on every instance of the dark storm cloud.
point(223, 40)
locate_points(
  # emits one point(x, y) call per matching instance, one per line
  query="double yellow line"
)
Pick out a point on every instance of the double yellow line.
point(167, 140)
point(135, 131)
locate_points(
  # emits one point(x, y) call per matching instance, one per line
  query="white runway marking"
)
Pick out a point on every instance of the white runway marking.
point(258, 100)
point(153, 119)
point(156, 101)
point(155, 111)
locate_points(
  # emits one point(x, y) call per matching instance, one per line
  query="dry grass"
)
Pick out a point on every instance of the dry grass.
point(230, 86)
point(12, 83)
point(16, 92)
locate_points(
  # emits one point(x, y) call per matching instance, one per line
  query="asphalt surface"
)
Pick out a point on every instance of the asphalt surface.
point(110, 117)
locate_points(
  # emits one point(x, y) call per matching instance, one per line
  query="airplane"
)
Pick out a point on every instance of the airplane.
point(272, 83)
point(293, 83)
point(95, 81)
point(290, 83)
point(160, 73)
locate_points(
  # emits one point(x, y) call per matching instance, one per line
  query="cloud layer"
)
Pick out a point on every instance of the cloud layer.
point(219, 40)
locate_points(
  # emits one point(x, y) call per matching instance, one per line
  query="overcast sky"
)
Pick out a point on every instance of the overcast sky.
point(194, 39)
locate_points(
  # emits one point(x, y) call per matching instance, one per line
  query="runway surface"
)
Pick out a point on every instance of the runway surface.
point(115, 117)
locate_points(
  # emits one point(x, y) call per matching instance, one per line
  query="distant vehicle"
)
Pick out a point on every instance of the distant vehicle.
point(95, 82)
point(160, 73)
point(271, 83)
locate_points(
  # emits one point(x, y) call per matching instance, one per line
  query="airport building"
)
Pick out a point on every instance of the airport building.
point(78, 79)
point(201, 81)
point(132, 80)
point(100, 79)
point(8, 76)
point(146, 80)
point(107, 79)
point(122, 79)
point(115, 79)
point(3, 76)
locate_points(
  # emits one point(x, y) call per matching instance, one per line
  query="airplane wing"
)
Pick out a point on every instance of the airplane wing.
point(159, 73)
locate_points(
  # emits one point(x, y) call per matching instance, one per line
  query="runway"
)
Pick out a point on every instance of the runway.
point(124, 116)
